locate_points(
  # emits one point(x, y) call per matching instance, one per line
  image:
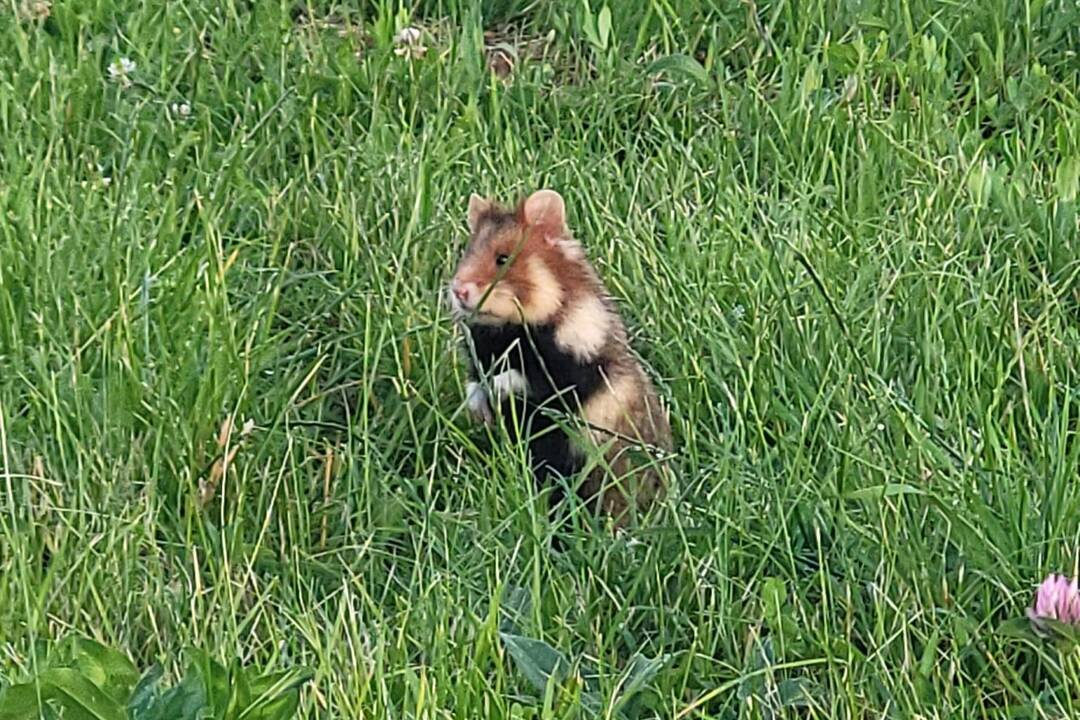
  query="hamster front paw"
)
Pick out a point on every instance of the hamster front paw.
point(510, 382)
point(476, 399)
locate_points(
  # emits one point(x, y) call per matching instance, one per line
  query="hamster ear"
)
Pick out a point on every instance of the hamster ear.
point(546, 211)
point(477, 207)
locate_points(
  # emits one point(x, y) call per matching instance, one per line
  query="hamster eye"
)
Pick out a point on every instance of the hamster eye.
point(501, 259)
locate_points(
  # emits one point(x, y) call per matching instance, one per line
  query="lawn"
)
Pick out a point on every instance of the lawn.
point(844, 236)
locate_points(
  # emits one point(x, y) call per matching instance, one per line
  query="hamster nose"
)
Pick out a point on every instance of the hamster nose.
point(461, 291)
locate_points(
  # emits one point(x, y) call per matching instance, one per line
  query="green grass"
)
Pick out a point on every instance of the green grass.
point(849, 251)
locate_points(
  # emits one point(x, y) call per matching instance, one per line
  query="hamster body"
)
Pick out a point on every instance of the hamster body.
point(549, 341)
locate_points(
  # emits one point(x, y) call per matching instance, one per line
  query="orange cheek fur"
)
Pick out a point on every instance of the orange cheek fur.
point(528, 291)
point(501, 305)
point(501, 302)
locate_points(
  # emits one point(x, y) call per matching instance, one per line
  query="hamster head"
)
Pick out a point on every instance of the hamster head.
point(520, 265)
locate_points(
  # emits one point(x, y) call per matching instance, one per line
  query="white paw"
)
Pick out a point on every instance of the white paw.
point(509, 383)
point(476, 399)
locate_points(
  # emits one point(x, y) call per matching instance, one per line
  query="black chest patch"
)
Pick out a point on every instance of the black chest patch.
point(557, 381)
point(556, 378)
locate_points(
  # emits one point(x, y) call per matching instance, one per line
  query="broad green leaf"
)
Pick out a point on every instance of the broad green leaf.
point(639, 673)
point(795, 692)
point(603, 26)
point(80, 697)
point(536, 660)
point(185, 701)
point(843, 58)
point(1012, 89)
point(20, 702)
point(239, 691)
point(679, 64)
point(516, 604)
point(1017, 628)
point(811, 81)
point(590, 33)
point(775, 609)
point(276, 696)
point(107, 668)
point(1067, 636)
point(281, 709)
point(215, 680)
point(1067, 178)
point(773, 600)
point(144, 694)
point(275, 684)
point(929, 654)
point(588, 25)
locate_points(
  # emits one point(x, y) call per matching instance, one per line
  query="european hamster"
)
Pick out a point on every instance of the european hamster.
point(547, 337)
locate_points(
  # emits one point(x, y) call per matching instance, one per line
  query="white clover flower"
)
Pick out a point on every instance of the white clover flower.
point(407, 36)
point(181, 110)
point(408, 43)
point(120, 71)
